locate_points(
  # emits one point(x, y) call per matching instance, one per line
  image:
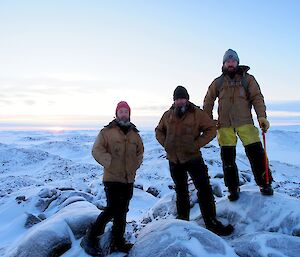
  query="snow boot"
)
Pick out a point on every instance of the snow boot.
point(234, 194)
point(120, 246)
point(91, 246)
point(218, 228)
point(266, 190)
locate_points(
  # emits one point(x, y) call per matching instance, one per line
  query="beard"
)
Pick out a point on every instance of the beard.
point(124, 122)
point(231, 71)
point(180, 110)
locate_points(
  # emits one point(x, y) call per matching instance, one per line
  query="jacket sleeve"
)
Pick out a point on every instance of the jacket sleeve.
point(99, 151)
point(209, 99)
point(140, 151)
point(161, 130)
point(208, 129)
point(256, 98)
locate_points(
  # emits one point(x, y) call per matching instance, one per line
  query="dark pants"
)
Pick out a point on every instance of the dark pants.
point(255, 154)
point(198, 171)
point(118, 196)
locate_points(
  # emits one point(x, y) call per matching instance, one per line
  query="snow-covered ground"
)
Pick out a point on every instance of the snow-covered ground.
point(51, 189)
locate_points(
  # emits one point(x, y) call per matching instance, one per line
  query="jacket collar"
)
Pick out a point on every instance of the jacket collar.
point(114, 124)
point(241, 70)
point(191, 107)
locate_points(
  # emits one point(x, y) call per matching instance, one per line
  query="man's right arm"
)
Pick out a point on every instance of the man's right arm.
point(160, 130)
point(99, 151)
point(209, 100)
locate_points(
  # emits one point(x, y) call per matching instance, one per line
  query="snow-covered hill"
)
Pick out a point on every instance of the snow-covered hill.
point(51, 189)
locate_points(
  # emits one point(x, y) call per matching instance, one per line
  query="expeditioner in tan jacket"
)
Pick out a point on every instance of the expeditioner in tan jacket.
point(237, 92)
point(119, 149)
point(182, 131)
point(120, 154)
point(183, 137)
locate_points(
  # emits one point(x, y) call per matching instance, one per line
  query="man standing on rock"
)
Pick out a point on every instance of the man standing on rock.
point(119, 149)
point(182, 131)
point(237, 92)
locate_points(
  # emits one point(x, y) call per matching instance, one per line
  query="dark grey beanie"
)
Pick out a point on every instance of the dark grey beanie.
point(231, 54)
point(180, 92)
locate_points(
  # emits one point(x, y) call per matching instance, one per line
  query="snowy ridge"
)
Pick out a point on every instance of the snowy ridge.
point(51, 189)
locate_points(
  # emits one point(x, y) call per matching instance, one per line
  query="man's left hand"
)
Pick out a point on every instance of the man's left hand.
point(264, 124)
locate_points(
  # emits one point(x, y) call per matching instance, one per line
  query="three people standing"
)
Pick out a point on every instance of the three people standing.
point(182, 131)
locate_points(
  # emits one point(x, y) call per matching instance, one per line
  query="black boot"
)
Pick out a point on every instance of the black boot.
point(266, 190)
point(120, 245)
point(256, 156)
point(218, 228)
point(231, 176)
point(91, 246)
point(234, 194)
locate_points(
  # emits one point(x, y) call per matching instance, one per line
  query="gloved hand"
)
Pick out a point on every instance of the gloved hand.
point(263, 123)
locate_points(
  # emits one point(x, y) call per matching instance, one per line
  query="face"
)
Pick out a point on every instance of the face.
point(123, 114)
point(180, 102)
point(230, 65)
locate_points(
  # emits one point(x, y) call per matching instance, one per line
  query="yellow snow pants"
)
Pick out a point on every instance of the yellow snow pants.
point(248, 134)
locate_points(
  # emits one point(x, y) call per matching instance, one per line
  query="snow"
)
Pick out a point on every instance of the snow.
point(52, 178)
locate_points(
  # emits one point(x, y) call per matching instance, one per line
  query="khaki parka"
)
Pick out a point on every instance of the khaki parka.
point(183, 137)
point(120, 155)
point(234, 100)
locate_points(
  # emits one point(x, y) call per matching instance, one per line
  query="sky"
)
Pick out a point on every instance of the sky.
point(67, 63)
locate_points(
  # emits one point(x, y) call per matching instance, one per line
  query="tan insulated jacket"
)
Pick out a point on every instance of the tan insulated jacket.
point(234, 100)
point(120, 155)
point(183, 137)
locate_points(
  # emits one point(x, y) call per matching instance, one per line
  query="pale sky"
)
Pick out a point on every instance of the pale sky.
point(68, 63)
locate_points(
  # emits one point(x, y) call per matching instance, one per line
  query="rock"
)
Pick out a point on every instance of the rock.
point(20, 199)
point(153, 191)
point(78, 215)
point(171, 186)
point(266, 244)
point(217, 189)
point(164, 207)
point(31, 220)
point(47, 193)
point(138, 186)
point(219, 175)
point(179, 238)
point(42, 216)
point(296, 232)
point(70, 200)
point(246, 176)
point(49, 238)
point(255, 212)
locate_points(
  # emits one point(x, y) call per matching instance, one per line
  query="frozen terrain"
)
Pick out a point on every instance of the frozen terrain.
point(51, 189)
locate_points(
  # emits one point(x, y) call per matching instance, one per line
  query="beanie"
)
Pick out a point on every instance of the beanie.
point(180, 92)
point(123, 104)
point(231, 54)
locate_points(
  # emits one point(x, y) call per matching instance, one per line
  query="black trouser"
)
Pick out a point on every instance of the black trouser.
point(230, 170)
point(118, 196)
point(255, 154)
point(199, 174)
